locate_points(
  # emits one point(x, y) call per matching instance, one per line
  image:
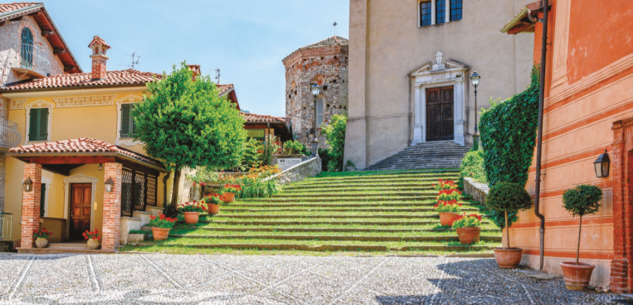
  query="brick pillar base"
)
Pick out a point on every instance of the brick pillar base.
point(112, 207)
point(31, 204)
point(619, 275)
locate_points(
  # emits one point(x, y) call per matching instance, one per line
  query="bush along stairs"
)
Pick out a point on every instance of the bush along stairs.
point(430, 155)
point(362, 211)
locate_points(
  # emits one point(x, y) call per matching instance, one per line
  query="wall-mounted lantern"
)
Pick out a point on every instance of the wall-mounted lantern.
point(602, 165)
point(27, 184)
point(108, 185)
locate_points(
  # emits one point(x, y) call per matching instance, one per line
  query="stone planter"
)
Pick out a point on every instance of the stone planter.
point(135, 238)
point(191, 218)
point(160, 233)
point(228, 197)
point(93, 244)
point(508, 257)
point(213, 208)
point(577, 277)
point(445, 218)
point(41, 242)
point(468, 235)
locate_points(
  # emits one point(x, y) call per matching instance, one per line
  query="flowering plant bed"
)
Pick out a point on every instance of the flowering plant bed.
point(42, 233)
point(231, 188)
point(162, 222)
point(465, 221)
point(445, 185)
point(448, 207)
point(192, 207)
point(448, 195)
point(214, 198)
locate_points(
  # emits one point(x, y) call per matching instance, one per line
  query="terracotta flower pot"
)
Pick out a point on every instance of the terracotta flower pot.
point(160, 233)
point(191, 218)
point(445, 218)
point(577, 277)
point(41, 242)
point(508, 257)
point(213, 208)
point(468, 235)
point(93, 244)
point(228, 197)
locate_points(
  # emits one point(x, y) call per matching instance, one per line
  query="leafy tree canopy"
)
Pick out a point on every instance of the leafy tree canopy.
point(508, 197)
point(582, 200)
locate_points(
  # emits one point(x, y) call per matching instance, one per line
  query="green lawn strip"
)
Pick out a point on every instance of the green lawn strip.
point(435, 227)
point(357, 194)
point(347, 198)
point(386, 173)
point(475, 252)
point(339, 210)
point(358, 185)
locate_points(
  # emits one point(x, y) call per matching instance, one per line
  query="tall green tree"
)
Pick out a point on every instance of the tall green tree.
point(335, 135)
point(185, 123)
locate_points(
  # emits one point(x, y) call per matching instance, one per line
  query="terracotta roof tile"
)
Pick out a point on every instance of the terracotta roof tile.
point(99, 40)
point(328, 42)
point(9, 7)
point(122, 77)
point(224, 89)
point(81, 145)
point(262, 118)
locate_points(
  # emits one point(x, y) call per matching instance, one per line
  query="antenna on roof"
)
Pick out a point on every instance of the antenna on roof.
point(217, 75)
point(335, 24)
point(135, 60)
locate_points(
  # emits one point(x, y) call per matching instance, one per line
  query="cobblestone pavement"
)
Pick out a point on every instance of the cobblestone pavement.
point(213, 279)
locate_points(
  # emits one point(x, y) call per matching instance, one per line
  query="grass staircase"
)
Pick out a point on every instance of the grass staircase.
point(362, 211)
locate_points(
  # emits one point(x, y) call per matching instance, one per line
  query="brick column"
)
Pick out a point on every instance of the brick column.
point(31, 204)
point(112, 207)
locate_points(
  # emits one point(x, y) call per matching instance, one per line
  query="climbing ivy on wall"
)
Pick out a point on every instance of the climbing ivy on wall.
point(508, 136)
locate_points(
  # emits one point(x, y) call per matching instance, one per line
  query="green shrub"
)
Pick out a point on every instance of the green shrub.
point(582, 200)
point(466, 221)
point(325, 158)
point(256, 187)
point(508, 198)
point(293, 147)
point(250, 158)
point(473, 166)
point(335, 134)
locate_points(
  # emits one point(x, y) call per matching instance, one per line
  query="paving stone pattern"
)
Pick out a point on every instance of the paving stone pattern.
point(226, 279)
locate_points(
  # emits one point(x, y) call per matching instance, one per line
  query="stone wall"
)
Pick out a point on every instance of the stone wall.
point(326, 66)
point(305, 169)
point(479, 191)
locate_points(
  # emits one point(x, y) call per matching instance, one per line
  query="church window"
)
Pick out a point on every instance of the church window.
point(440, 11)
point(425, 13)
point(456, 10)
point(26, 51)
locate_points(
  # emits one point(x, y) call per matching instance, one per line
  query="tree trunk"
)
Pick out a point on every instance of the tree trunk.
point(507, 230)
point(578, 248)
point(173, 206)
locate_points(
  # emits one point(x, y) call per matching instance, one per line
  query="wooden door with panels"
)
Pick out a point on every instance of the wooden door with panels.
point(80, 207)
point(439, 114)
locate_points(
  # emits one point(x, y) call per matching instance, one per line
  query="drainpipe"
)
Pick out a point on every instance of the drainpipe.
point(539, 144)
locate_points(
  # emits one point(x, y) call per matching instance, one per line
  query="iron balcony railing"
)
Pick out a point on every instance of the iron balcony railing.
point(9, 135)
point(26, 54)
point(6, 225)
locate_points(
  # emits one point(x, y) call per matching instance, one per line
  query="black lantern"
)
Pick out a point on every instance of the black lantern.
point(602, 165)
point(108, 185)
point(27, 184)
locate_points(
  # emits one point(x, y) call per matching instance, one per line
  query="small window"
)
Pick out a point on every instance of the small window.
point(319, 110)
point(440, 8)
point(259, 134)
point(456, 10)
point(27, 49)
point(38, 124)
point(425, 13)
point(127, 121)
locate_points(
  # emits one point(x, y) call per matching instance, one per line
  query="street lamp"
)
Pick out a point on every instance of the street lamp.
point(474, 78)
point(316, 90)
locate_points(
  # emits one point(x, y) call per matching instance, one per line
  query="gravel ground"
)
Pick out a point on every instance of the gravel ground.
point(228, 279)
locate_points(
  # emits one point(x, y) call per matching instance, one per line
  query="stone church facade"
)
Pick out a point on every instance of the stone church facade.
point(323, 63)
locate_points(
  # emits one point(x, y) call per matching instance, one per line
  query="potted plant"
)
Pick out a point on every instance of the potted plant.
point(445, 185)
point(581, 200)
point(467, 228)
point(41, 237)
point(508, 197)
point(93, 239)
point(229, 191)
point(213, 203)
point(191, 211)
point(161, 226)
point(448, 210)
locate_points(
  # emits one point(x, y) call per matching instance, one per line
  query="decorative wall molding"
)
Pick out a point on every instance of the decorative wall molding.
point(83, 101)
point(79, 178)
point(35, 105)
point(125, 100)
point(17, 104)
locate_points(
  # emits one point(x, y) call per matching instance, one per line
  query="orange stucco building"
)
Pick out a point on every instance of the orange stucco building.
point(588, 108)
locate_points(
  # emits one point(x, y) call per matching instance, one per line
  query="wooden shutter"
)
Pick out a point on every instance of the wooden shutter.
point(43, 134)
point(38, 125)
point(42, 199)
point(33, 123)
point(125, 120)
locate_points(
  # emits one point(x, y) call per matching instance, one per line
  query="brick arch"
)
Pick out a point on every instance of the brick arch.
point(26, 24)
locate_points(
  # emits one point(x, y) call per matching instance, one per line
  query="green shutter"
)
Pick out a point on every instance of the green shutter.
point(42, 199)
point(125, 120)
point(38, 125)
point(132, 123)
point(43, 135)
point(33, 123)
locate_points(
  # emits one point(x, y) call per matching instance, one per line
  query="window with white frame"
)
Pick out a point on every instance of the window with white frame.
point(39, 115)
point(432, 12)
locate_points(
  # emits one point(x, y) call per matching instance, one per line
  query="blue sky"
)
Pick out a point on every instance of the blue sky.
point(246, 39)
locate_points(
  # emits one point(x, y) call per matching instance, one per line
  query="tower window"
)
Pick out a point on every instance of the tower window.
point(319, 114)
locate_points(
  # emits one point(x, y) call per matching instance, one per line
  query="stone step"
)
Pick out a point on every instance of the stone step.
point(346, 198)
point(339, 205)
point(329, 216)
point(439, 238)
point(337, 229)
point(362, 223)
point(359, 187)
point(266, 209)
point(356, 195)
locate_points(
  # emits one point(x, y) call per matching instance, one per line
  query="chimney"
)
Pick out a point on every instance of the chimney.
point(196, 71)
point(99, 49)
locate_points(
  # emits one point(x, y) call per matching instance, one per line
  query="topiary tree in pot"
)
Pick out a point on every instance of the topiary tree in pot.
point(508, 198)
point(581, 200)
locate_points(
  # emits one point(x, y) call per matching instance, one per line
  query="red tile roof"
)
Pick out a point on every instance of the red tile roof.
point(224, 89)
point(262, 118)
point(99, 40)
point(81, 145)
point(10, 7)
point(113, 78)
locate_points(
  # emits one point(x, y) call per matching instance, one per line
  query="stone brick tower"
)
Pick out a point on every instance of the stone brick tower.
point(323, 63)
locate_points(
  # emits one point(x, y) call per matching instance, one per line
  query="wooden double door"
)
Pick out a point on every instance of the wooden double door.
point(439, 114)
point(80, 207)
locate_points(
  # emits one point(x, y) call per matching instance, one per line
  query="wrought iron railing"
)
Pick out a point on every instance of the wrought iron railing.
point(26, 54)
point(9, 135)
point(6, 225)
